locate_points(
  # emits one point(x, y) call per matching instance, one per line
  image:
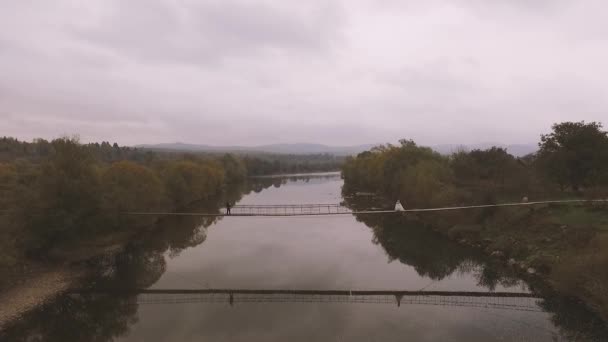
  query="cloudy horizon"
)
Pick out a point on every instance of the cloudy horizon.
point(236, 72)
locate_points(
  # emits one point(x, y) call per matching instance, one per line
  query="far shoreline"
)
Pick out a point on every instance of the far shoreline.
point(287, 175)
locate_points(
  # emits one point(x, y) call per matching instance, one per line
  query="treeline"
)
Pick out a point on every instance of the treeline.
point(573, 157)
point(253, 164)
point(61, 191)
point(56, 192)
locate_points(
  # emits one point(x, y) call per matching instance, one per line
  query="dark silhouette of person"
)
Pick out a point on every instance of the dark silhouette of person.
point(228, 208)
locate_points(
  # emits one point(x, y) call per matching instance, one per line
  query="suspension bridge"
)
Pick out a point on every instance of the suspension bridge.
point(327, 209)
point(493, 300)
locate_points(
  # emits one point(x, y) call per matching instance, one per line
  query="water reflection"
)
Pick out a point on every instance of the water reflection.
point(260, 183)
point(435, 256)
point(104, 317)
point(430, 253)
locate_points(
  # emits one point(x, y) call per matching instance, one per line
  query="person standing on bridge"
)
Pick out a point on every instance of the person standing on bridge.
point(228, 206)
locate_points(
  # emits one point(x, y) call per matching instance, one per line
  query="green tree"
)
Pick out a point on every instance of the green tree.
point(491, 173)
point(234, 168)
point(187, 181)
point(131, 187)
point(574, 154)
point(414, 174)
point(8, 178)
point(426, 183)
point(65, 199)
point(8, 230)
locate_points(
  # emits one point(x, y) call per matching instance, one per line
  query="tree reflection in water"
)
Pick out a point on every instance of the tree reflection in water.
point(431, 254)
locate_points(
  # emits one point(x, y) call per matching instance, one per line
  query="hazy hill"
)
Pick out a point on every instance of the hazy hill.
point(298, 148)
point(308, 148)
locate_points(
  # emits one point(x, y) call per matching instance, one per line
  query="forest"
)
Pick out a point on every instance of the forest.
point(566, 245)
point(572, 160)
point(55, 193)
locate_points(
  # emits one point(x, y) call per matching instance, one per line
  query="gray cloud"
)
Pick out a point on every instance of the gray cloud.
point(336, 72)
point(210, 31)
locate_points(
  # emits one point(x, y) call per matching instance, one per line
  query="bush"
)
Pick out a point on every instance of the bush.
point(465, 231)
point(586, 274)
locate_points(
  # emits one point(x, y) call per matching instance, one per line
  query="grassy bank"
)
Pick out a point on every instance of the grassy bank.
point(564, 245)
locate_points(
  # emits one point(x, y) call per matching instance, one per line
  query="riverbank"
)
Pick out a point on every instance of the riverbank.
point(39, 283)
point(564, 246)
point(35, 290)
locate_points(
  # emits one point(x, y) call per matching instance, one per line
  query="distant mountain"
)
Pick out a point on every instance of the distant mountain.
point(298, 148)
point(518, 150)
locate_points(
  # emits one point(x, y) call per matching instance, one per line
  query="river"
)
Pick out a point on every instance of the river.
point(259, 255)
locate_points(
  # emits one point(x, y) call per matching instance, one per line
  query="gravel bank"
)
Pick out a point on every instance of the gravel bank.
point(38, 289)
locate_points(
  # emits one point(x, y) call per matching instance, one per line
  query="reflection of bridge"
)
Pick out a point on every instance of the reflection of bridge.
point(493, 300)
point(338, 209)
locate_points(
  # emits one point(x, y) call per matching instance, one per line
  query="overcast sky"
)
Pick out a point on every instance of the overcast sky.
point(334, 72)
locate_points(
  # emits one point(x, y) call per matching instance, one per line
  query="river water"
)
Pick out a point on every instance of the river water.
point(301, 253)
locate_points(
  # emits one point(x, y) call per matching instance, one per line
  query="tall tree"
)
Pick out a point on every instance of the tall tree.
point(65, 200)
point(575, 154)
